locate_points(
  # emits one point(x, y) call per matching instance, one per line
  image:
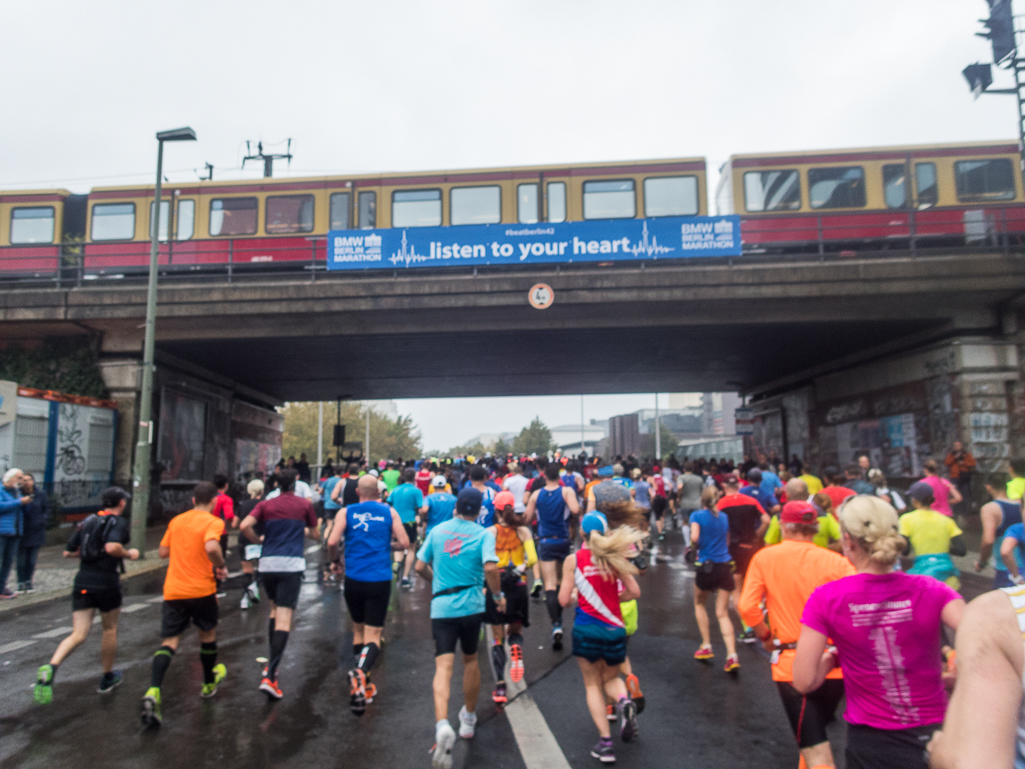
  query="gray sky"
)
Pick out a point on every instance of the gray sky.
point(394, 86)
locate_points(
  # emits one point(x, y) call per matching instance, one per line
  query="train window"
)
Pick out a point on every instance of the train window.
point(526, 204)
point(32, 225)
point(289, 213)
point(979, 180)
point(841, 187)
point(186, 224)
point(113, 221)
point(367, 210)
point(165, 214)
point(772, 191)
point(233, 216)
point(895, 188)
point(610, 200)
point(339, 211)
point(556, 202)
point(475, 205)
point(671, 196)
point(416, 208)
point(925, 184)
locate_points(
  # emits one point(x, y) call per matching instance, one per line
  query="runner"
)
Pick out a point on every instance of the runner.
point(945, 493)
point(766, 499)
point(886, 627)
point(552, 506)
point(514, 546)
point(250, 552)
point(424, 475)
point(192, 543)
point(933, 536)
point(345, 493)
point(688, 489)
point(224, 508)
point(439, 504)
point(479, 481)
point(748, 524)
point(517, 483)
point(407, 499)
point(595, 573)
point(784, 577)
point(997, 516)
point(287, 519)
point(99, 544)
point(368, 528)
point(812, 480)
point(457, 558)
point(828, 533)
point(710, 534)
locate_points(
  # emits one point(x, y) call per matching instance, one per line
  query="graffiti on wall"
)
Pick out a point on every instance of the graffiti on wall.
point(253, 458)
point(70, 457)
point(180, 449)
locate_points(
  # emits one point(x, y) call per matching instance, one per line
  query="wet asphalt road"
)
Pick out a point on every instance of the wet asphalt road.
point(696, 714)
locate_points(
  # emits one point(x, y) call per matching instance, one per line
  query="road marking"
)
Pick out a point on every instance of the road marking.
point(158, 599)
point(14, 646)
point(134, 607)
point(312, 549)
point(233, 574)
point(55, 633)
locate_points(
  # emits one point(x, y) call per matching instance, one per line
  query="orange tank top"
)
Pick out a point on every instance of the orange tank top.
point(508, 546)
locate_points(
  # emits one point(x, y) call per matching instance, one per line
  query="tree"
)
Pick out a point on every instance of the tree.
point(501, 448)
point(669, 442)
point(534, 438)
point(389, 438)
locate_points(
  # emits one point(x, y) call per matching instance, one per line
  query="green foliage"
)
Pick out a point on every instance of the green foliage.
point(477, 449)
point(389, 439)
point(501, 448)
point(64, 364)
point(669, 442)
point(534, 438)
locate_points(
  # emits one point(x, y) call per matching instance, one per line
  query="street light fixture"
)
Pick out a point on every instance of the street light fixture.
point(141, 468)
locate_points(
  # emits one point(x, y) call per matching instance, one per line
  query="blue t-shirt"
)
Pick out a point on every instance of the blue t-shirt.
point(486, 517)
point(712, 545)
point(327, 487)
point(457, 550)
point(1012, 511)
point(641, 493)
point(440, 506)
point(770, 482)
point(407, 500)
point(368, 542)
point(765, 498)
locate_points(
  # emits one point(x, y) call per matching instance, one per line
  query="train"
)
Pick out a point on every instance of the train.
point(820, 201)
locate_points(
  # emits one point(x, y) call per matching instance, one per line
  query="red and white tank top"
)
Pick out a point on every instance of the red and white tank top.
point(597, 595)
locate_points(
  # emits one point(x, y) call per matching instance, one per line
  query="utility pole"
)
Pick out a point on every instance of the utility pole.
point(320, 436)
point(366, 445)
point(583, 448)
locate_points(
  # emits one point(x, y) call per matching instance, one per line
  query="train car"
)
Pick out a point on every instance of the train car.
point(33, 225)
point(876, 197)
point(249, 223)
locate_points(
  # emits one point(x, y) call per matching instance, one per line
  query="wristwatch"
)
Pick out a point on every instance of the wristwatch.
point(499, 596)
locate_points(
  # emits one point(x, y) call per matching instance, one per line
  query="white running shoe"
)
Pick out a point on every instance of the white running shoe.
point(254, 592)
point(245, 600)
point(444, 739)
point(467, 723)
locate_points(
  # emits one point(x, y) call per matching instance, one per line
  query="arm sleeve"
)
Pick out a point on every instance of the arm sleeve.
point(531, 552)
point(487, 551)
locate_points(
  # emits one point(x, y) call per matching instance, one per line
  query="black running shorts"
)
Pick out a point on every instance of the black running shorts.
point(411, 532)
point(719, 578)
point(809, 714)
point(658, 506)
point(103, 598)
point(517, 607)
point(176, 615)
point(871, 748)
point(448, 630)
point(367, 601)
point(282, 587)
point(553, 549)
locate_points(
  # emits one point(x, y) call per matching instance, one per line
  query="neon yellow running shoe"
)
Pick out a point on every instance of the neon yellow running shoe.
point(209, 690)
point(151, 708)
point(44, 685)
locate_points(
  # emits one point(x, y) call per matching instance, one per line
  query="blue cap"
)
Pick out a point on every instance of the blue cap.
point(605, 472)
point(594, 522)
point(469, 502)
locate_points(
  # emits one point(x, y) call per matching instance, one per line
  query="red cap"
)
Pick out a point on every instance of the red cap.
point(504, 499)
point(798, 512)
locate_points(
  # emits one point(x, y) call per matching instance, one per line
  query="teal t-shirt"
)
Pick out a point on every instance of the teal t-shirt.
point(457, 550)
point(407, 499)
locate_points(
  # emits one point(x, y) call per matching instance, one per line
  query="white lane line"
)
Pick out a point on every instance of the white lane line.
point(134, 607)
point(14, 646)
point(57, 632)
point(231, 575)
point(312, 549)
point(158, 599)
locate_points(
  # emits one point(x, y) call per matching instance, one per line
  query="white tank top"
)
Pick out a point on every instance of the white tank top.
point(1017, 596)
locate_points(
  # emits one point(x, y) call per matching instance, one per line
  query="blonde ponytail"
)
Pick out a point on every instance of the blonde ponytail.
point(610, 553)
point(872, 523)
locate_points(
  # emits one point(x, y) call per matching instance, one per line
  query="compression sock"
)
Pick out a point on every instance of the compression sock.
point(270, 630)
point(368, 656)
point(498, 660)
point(554, 609)
point(357, 649)
point(247, 580)
point(208, 656)
point(161, 662)
point(277, 649)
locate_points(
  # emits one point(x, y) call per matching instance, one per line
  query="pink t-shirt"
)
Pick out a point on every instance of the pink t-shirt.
point(886, 628)
point(940, 490)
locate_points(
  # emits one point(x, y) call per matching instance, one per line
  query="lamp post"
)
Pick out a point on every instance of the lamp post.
point(141, 467)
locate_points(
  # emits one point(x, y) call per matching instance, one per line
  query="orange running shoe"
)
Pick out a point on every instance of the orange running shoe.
point(371, 692)
point(357, 691)
point(499, 696)
point(732, 664)
point(610, 713)
point(704, 653)
point(633, 686)
point(271, 689)
point(516, 663)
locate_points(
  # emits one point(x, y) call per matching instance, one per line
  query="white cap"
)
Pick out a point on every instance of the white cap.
point(439, 481)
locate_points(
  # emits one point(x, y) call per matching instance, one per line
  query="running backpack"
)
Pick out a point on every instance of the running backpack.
point(95, 530)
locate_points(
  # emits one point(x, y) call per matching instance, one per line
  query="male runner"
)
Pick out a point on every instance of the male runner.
point(224, 508)
point(552, 506)
point(407, 500)
point(478, 480)
point(688, 490)
point(784, 576)
point(424, 476)
point(457, 558)
point(99, 543)
point(748, 523)
point(368, 528)
point(997, 517)
point(287, 519)
point(192, 542)
point(439, 504)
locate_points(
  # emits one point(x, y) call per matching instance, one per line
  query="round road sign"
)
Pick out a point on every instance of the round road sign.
point(541, 296)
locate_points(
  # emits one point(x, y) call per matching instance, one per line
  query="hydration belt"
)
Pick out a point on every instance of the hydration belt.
point(453, 590)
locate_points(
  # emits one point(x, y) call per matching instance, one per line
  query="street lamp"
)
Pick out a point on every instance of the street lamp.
point(141, 469)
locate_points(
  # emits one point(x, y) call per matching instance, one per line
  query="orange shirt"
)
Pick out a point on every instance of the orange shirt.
point(785, 575)
point(190, 573)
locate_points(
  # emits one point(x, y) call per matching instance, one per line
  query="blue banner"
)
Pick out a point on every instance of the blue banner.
point(671, 237)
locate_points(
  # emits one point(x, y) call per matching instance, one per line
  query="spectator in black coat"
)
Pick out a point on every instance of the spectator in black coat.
point(36, 515)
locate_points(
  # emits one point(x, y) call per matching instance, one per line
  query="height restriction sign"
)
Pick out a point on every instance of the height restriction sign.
point(541, 296)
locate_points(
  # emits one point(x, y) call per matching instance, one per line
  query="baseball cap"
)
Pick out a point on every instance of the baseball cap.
point(798, 512)
point(504, 499)
point(439, 481)
point(594, 522)
point(469, 502)
point(922, 491)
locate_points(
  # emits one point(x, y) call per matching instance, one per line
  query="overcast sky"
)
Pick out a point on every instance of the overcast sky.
point(395, 86)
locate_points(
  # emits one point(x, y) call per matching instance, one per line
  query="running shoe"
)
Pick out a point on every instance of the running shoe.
point(44, 685)
point(7, 593)
point(516, 663)
point(254, 592)
point(662, 537)
point(732, 664)
point(633, 686)
point(747, 636)
point(603, 750)
point(151, 717)
point(406, 583)
point(271, 689)
point(610, 713)
point(467, 723)
point(557, 638)
point(245, 600)
point(371, 692)
point(704, 653)
point(444, 739)
point(109, 681)
point(499, 696)
point(209, 690)
point(357, 692)
point(536, 588)
point(627, 719)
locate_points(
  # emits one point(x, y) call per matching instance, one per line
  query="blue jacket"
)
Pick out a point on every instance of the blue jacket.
point(36, 515)
point(10, 512)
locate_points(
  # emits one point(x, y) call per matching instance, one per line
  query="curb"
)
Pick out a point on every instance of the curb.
point(150, 564)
